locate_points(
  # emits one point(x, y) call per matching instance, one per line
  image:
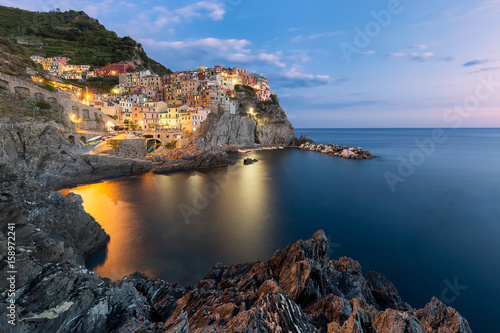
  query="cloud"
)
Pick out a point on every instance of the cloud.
point(397, 54)
point(487, 69)
point(158, 18)
point(320, 103)
point(296, 78)
point(325, 34)
point(213, 10)
point(300, 38)
point(368, 53)
point(422, 56)
point(476, 62)
point(213, 50)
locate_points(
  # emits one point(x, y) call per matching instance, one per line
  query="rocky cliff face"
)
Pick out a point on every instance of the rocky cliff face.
point(266, 123)
point(42, 157)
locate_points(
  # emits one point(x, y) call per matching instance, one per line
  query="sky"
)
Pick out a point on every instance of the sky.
point(337, 63)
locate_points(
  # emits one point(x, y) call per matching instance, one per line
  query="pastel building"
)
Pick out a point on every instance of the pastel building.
point(173, 117)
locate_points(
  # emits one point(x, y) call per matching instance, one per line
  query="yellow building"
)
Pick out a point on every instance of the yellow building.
point(172, 118)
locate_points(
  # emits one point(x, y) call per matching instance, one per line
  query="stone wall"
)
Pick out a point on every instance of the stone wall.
point(86, 117)
point(164, 136)
point(131, 148)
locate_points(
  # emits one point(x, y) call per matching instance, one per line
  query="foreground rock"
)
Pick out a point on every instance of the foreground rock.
point(334, 150)
point(298, 290)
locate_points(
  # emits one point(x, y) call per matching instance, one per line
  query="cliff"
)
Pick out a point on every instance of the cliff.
point(298, 290)
point(255, 122)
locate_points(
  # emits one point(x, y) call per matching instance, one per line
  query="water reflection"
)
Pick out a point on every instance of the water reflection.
point(230, 210)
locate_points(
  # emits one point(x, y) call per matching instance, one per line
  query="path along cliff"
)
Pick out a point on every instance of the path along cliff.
point(300, 289)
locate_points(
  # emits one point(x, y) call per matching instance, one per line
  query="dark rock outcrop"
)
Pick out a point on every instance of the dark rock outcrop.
point(304, 139)
point(341, 151)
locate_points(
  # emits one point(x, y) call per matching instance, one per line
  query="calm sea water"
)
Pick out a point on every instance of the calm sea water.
point(436, 227)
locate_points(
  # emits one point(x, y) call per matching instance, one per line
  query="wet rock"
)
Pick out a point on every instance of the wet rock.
point(437, 317)
point(304, 139)
point(334, 150)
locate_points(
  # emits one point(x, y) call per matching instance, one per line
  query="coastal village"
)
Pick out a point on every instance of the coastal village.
point(145, 101)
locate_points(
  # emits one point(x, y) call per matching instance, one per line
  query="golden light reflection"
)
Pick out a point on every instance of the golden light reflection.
point(247, 197)
point(104, 201)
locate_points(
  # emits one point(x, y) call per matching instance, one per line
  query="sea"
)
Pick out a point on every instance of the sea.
point(425, 214)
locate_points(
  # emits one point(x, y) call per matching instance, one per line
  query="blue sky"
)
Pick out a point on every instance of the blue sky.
point(332, 63)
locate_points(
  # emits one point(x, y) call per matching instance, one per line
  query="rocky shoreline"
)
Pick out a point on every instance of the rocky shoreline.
point(340, 151)
point(298, 290)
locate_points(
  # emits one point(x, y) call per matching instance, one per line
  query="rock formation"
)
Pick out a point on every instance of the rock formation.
point(255, 122)
point(334, 150)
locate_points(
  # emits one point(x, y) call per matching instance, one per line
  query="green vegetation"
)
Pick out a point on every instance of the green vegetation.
point(97, 85)
point(249, 90)
point(42, 105)
point(49, 87)
point(274, 99)
point(171, 145)
point(72, 34)
point(15, 58)
point(15, 108)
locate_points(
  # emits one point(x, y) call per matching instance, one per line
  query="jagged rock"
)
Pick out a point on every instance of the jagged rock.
point(334, 150)
point(304, 139)
point(248, 161)
point(439, 318)
point(385, 293)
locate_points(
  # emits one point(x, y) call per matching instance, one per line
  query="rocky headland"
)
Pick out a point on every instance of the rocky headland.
point(254, 123)
point(300, 289)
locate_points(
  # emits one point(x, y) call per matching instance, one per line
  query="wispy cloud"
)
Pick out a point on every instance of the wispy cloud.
point(397, 54)
point(300, 38)
point(295, 77)
point(158, 18)
point(476, 62)
point(310, 101)
point(486, 69)
point(415, 53)
point(210, 50)
point(213, 10)
point(368, 53)
point(422, 56)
